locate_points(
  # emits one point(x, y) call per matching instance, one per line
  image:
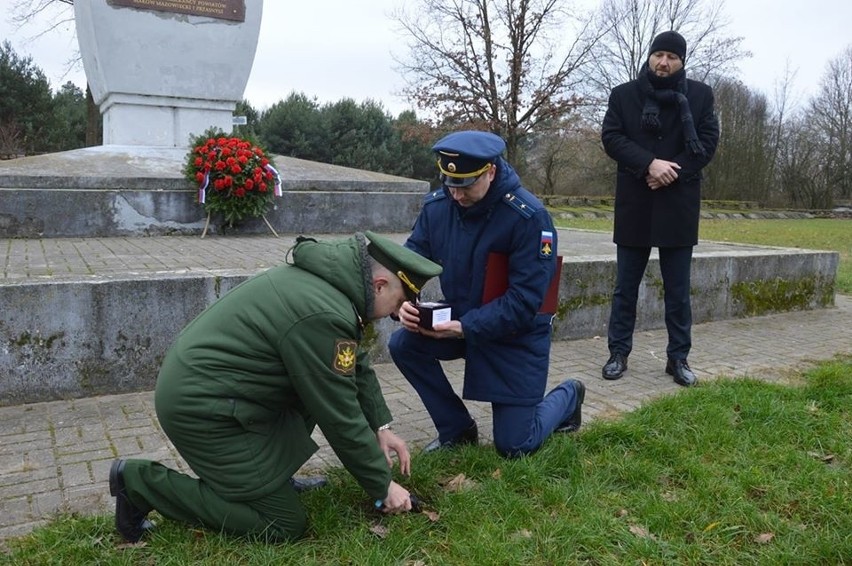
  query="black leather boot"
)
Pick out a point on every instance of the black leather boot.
point(130, 521)
point(615, 367)
point(572, 423)
point(469, 436)
point(683, 375)
point(308, 483)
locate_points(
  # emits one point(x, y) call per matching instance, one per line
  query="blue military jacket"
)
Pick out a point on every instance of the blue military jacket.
point(507, 340)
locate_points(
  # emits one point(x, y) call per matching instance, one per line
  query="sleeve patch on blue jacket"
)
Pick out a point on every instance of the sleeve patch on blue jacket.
point(545, 250)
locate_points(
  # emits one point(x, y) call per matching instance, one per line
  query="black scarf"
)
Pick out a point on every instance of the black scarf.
point(668, 90)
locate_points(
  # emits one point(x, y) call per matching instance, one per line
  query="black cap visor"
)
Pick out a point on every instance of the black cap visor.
point(458, 182)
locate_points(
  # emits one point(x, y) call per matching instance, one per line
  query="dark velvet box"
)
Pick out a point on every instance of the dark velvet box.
point(434, 313)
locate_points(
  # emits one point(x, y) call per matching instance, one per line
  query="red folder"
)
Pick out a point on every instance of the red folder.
point(497, 282)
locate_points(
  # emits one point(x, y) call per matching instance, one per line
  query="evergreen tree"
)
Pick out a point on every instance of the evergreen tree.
point(292, 127)
point(26, 104)
point(68, 127)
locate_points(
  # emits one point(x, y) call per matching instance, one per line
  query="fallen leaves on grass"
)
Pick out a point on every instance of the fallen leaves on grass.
point(379, 530)
point(641, 532)
point(757, 491)
point(459, 483)
point(764, 538)
point(827, 458)
point(124, 545)
point(433, 516)
point(668, 496)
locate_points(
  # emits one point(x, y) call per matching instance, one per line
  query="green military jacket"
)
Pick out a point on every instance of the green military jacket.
point(248, 379)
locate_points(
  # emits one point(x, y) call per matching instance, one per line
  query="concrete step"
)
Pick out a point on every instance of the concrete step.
point(92, 316)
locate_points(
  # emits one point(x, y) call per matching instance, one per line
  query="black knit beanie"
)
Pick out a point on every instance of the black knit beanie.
point(670, 41)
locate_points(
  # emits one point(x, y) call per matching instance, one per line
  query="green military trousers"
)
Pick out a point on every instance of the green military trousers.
point(243, 452)
point(278, 516)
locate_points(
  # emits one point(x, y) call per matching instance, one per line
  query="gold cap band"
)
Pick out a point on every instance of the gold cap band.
point(476, 173)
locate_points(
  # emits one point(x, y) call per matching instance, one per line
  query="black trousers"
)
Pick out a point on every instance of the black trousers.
point(675, 265)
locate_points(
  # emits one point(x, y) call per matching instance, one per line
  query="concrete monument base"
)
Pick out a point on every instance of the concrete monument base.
point(116, 190)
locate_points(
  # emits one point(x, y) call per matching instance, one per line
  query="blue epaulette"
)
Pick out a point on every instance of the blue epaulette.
point(516, 202)
point(433, 196)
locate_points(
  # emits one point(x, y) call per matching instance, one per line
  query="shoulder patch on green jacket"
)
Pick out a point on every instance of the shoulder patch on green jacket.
point(344, 357)
point(517, 203)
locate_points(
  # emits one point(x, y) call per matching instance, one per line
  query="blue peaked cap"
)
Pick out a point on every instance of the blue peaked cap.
point(464, 156)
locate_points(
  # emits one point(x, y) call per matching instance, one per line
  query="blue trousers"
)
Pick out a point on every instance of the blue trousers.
point(517, 429)
point(675, 265)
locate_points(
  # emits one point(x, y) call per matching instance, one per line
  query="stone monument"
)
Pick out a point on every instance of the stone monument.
point(163, 70)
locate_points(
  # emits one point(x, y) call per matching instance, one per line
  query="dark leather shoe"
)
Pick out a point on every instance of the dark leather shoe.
point(469, 436)
point(681, 372)
point(130, 521)
point(572, 423)
point(308, 483)
point(615, 367)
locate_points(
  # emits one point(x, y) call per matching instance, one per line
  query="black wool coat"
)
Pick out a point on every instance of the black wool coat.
point(666, 217)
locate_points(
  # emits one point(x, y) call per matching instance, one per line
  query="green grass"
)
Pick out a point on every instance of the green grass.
point(730, 472)
point(812, 233)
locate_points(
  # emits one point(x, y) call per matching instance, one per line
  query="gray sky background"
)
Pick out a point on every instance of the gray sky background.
point(331, 49)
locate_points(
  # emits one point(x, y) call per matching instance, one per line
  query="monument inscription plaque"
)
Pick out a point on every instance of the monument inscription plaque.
point(234, 10)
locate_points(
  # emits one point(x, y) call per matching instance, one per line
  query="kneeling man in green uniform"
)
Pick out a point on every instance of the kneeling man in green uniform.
point(246, 382)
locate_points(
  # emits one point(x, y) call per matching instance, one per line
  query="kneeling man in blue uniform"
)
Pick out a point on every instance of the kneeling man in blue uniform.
point(481, 213)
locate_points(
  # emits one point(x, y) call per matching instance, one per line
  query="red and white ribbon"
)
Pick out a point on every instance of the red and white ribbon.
point(201, 189)
point(277, 190)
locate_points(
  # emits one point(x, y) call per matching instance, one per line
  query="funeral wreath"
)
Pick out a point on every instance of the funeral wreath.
point(235, 177)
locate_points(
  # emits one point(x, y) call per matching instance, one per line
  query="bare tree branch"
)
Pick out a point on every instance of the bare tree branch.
point(510, 66)
point(45, 17)
point(830, 118)
point(25, 12)
point(633, 24)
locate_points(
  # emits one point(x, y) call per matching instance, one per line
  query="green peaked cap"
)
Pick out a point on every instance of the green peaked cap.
point(413, 269)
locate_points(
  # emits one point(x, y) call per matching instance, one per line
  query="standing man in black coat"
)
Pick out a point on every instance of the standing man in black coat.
point(662, 131)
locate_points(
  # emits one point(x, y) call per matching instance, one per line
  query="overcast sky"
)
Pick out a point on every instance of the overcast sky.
point(331, 49)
